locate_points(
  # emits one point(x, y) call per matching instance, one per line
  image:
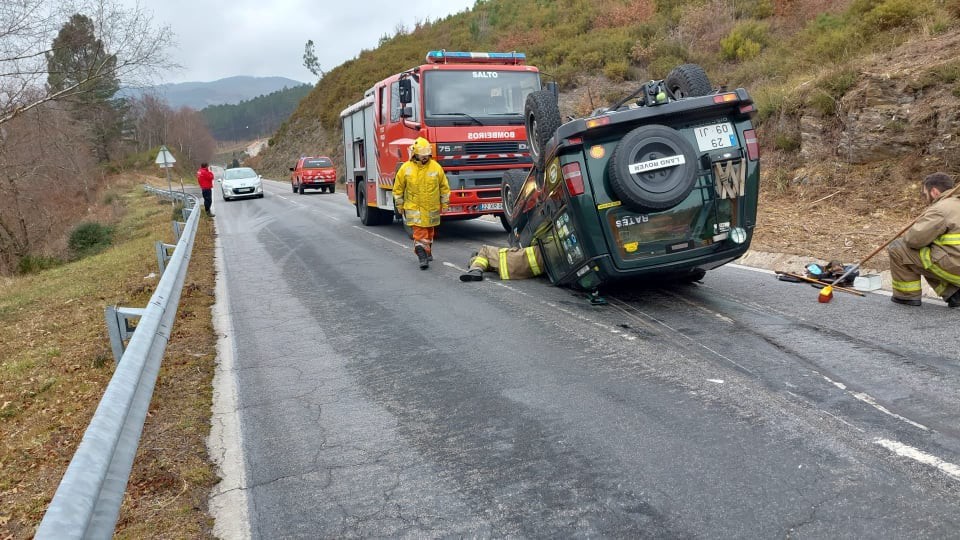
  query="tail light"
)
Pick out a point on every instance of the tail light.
point(753, 147)
point(574, 178)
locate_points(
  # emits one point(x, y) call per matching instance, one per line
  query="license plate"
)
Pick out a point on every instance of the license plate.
point(715, 136)
point(244, 190)
point(491, 206)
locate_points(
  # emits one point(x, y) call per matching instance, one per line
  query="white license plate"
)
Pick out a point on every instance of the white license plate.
point(491, 206)
point(715, 136)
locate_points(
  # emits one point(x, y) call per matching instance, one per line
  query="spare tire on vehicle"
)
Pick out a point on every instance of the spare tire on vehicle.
point(653, 168)
point(541, 117)
point(688, 80)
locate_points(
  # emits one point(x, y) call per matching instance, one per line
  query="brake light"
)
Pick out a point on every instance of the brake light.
point(744, 109)
point(574, 178)
point(753, 147)
point(724, 98)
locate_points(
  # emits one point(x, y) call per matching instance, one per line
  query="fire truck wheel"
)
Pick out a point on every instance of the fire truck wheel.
point(688, 80)
point(293, 186)
point(541, 119)
point(332, 188)
point(653, 168)
point(302, 190)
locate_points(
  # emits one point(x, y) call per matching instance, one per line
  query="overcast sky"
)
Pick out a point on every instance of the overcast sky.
point(222, 38)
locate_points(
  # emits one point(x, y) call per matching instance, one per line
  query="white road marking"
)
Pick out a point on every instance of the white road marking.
point(361, 229)
point(839, 385)
point(920, 456)
point(751, 268)
point(873, 403)
point(718, 381)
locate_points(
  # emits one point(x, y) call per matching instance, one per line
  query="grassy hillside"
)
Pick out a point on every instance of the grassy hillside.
point(793, 55)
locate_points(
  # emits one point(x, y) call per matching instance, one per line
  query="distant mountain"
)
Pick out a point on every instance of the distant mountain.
point(198, 95)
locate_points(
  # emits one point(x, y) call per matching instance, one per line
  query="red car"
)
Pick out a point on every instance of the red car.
point(313, 173)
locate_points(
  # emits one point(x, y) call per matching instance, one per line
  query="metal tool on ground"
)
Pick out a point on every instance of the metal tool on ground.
point(818, 282)
point(887, 243)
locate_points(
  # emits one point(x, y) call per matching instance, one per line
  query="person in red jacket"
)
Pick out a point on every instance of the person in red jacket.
point(205, 179)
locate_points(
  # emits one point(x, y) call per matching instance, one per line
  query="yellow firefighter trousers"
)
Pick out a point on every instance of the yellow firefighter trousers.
point(509, 263)
point(906, 267)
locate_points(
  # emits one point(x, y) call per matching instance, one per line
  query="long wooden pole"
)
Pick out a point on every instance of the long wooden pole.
point(817, 281)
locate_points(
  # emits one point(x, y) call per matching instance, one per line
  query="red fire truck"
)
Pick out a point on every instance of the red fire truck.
point(468, 104)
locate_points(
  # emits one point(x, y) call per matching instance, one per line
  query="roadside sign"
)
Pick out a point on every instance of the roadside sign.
point(164, 158)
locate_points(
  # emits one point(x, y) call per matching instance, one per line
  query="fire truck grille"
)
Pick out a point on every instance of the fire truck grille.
point(495, 147)
point(490, 160)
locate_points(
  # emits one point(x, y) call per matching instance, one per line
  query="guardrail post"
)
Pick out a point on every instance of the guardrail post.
point(119, 327)
point(163, 255)
point(178, 229)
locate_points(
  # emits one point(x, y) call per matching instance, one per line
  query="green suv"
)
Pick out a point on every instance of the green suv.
point(664, 182)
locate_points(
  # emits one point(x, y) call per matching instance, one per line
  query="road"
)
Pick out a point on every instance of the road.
point(361, 396)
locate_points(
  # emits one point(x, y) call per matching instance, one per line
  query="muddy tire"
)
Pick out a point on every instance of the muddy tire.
point(541, 117)
point(688, 80)
point(658, 186)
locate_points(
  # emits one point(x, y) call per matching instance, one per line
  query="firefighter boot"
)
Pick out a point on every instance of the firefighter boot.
point(473, 274)
point(422, 255)
point(906, 301)
point(954, 300)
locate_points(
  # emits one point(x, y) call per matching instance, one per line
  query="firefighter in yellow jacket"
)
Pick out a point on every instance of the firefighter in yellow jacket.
point(509, 263)
point(930, 248)
point(420, 192)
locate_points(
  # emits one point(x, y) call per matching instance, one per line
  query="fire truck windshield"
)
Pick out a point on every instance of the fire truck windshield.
point(485, 97)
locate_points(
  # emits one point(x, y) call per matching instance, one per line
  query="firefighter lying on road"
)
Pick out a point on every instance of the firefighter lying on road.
point(509, 263)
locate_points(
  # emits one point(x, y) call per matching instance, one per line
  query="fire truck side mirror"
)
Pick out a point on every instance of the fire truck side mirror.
point(552, 88)
point(406, 91)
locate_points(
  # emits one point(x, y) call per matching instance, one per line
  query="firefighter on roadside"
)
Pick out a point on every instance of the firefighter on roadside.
point(931, 247)
point(509, 263)
point(420, 192)
point(205, 179)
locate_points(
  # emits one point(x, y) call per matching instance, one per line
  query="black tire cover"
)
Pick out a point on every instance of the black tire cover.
point(541, 119)
point(658, 188)
point(688, 80)
point(510, 188)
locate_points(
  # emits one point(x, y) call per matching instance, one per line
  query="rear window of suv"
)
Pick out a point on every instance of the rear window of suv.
point(317, 163)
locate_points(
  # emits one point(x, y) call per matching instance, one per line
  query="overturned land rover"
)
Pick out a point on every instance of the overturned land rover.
point(663, 182)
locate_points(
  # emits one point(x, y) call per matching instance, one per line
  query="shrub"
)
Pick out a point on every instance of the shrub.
point(89, 238)
point(838, 82)
point(752, 9)
point(617, 70)
point(822, 102)
point(34, 263)
point(786, 141)
point(744, 42)
point(892, 14)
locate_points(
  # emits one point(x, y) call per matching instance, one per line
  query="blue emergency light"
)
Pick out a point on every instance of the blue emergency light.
point(461, 57)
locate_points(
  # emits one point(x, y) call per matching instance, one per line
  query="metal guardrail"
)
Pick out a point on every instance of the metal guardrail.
point(87, 502)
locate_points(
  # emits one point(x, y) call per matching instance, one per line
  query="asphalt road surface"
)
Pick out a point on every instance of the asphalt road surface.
point(364, 397)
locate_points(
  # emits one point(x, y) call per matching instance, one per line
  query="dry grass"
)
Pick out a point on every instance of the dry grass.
point(833, 211)
point(56, 363)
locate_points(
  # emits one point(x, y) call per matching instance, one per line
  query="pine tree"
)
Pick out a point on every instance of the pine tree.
point(78, 59)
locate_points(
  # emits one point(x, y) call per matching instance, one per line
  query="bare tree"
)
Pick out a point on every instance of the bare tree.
point(38, 171)
point(136, 45)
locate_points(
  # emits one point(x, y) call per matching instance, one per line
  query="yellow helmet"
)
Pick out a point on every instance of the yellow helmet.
point(422, 147)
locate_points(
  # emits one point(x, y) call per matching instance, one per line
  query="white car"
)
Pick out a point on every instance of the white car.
point(241, 182)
